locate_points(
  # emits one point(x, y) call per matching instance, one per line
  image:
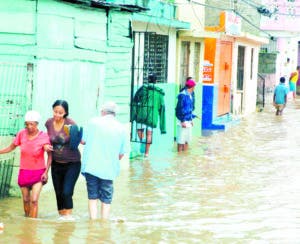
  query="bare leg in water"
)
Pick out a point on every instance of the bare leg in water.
point(30, 199)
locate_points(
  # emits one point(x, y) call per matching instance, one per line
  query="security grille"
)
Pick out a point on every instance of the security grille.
point(6, 169)
point(156, 56)
point(15, 98)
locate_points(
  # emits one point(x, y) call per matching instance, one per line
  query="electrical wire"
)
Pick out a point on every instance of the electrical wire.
point(257, 5)
point(253, 25)
point(205, 5)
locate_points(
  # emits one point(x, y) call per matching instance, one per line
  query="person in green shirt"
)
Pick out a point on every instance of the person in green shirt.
point(148, 106)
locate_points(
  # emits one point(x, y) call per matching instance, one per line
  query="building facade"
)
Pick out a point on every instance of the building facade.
point(85, 52)
point(230, 65)
point(284, 47)
point(190, 52)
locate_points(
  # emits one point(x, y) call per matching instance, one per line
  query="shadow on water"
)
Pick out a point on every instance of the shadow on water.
point(238, 186)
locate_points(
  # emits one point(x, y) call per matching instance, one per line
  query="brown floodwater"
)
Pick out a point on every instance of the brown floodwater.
point(241, 186)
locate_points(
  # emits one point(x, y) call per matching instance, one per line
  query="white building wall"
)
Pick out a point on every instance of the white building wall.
point(244, 102)
point(288, 48)
point(250, 88)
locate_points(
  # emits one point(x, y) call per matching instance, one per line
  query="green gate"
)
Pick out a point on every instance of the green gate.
point(15, 98)
point(6, 170)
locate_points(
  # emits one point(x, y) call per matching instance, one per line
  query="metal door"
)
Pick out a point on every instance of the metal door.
point(15, 98)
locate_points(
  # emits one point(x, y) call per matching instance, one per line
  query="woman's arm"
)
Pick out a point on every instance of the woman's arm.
point(8, 149)
point(49, 160)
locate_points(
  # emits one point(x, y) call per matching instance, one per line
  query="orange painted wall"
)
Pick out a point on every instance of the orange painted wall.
point(209, 60)
point(224, 71)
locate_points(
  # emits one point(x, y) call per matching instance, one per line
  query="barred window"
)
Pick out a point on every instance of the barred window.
point(156, 56)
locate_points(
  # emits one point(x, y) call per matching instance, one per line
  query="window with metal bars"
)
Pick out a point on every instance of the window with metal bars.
point(156, 56)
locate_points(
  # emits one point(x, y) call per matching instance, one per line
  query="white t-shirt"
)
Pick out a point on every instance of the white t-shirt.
point(105, 140)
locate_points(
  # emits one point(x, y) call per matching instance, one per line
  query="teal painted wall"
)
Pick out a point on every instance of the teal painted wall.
point(78, 54)
point(118, 63)
point(164, 144)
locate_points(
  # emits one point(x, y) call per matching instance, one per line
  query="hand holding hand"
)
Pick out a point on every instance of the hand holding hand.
point(48, 148)
point(44, 178)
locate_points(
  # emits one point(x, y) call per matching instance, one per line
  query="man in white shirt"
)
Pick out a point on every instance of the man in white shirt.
point(104, 140)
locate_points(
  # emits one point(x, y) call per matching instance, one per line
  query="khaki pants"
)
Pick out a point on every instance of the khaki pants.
point(279, 106)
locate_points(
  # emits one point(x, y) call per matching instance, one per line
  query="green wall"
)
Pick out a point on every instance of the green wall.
point(78, 53)
point(164, 143)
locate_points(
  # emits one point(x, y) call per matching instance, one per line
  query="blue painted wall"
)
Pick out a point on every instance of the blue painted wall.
point(209, 106)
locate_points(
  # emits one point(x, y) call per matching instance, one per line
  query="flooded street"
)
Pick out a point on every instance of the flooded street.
point(242, 186)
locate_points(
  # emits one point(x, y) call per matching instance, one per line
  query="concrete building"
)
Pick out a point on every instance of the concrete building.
point(284, 47)
point(85, 52)
point(230, 65)
point(190, 51)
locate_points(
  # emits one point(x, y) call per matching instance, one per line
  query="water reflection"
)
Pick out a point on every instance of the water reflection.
point(27, 233)
point(241, 186)
point(63, 231)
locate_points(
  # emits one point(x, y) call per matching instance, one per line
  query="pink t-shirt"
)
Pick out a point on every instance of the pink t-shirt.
point(32, 151)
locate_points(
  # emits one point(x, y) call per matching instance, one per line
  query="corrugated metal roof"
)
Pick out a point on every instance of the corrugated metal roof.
point(110, 4)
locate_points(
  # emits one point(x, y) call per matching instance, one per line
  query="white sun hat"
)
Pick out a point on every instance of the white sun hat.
point(32, 116)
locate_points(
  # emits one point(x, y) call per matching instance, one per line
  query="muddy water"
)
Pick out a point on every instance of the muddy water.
point(242, 186)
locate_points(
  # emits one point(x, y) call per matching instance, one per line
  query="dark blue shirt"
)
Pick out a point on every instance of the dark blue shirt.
point(185, 106)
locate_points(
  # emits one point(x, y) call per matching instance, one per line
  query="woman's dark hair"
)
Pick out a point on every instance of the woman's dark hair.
point(62, 103)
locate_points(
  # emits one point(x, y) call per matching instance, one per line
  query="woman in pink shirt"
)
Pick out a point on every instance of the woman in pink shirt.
point(33, 172)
